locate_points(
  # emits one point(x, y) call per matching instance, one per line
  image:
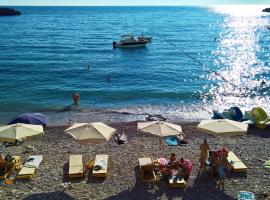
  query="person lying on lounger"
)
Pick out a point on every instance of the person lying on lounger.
point(186, 168)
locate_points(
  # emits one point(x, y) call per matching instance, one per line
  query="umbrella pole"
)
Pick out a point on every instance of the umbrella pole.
point(160, 143)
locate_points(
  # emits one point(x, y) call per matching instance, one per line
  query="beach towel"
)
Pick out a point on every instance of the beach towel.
point(100, 166)
point(244, 195)
point(162, 161)
point(33, 161)
point(172, 140)
point(267, 164)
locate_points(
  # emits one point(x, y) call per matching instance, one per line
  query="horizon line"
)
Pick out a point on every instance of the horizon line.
point(148, 5)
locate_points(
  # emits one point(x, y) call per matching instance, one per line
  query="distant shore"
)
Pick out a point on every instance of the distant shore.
point(123, 176)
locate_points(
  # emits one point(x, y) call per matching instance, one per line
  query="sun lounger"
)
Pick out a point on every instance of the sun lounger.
point(100, 168)
point(26, 173)
point(177, 182)
point(236, 163)
point(75, 166)
point(7, 167)
point(147, 173)
point(30, 167)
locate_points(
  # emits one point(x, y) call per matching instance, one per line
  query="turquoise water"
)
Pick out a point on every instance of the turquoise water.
point(44, 54)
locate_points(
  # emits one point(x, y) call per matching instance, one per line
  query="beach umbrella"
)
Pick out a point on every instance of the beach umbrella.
point(13, 132)
point(160, 128)
point(96, 132)
point(222, 127)
point(30, 118)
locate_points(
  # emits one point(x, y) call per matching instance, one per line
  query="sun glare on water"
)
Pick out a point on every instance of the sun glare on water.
point(236, 58)
point(240, 10)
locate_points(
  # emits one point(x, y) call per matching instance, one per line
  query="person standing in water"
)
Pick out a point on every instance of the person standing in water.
point(76, 97)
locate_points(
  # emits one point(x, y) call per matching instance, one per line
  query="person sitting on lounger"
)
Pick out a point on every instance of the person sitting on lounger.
point(186, 168)
point(172, 161)
point(121, 138)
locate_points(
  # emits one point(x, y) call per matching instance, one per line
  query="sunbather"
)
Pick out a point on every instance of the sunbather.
point(172, 161)
point(186, 168)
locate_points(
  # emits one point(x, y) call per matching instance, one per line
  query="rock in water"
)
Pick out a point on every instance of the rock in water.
point(8, 12)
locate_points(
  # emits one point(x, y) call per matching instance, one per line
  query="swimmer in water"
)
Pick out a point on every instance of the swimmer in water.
point(108, 78)
point(76, 97)
point(263, 83)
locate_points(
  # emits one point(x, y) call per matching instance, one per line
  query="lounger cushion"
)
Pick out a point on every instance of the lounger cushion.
point(236, 163)
point(232, 157)
point(75, 164)
point(27, 171)
point(145, 161)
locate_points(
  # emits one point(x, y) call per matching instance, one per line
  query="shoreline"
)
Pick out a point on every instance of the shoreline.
point(123, 181)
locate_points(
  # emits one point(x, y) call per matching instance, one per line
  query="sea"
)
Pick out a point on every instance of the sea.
point(200, 59)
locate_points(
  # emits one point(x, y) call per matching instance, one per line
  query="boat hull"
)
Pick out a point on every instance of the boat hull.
point(130, 46)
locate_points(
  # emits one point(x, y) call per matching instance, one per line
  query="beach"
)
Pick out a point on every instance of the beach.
point(123, 180)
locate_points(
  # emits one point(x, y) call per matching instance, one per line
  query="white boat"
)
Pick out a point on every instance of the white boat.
point(129, 41)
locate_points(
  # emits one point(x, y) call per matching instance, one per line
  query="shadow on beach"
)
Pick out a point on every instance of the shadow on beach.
point(264, 133)
point(61, 195)
point(201, 189)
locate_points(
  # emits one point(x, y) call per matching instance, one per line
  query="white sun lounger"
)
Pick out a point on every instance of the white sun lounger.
point(236, 163)
point(75, 166)
point(102, 162)
point(30, 167)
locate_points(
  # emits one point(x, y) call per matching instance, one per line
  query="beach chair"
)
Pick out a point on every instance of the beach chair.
point(177, 182)
point(7, 167)
point(75, 166)
point(30, 167)
point(100, 168)
point(147, 173)
point(236, 164)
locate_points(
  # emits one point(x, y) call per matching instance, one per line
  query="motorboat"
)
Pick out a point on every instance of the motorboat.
point(130, 41)
point(143, 37)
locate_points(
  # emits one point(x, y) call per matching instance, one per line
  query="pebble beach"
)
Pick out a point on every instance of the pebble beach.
point(123, 180)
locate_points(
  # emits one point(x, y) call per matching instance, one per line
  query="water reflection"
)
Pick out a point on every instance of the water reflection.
point(242, 81)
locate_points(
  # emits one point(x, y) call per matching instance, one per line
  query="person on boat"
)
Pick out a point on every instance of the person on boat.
point(204, 148)
point(186, 168)
point(76, 97)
